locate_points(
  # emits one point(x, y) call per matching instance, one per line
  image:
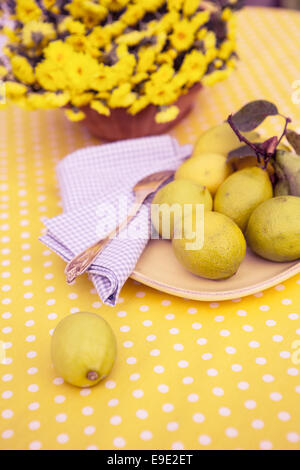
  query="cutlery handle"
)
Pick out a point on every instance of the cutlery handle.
point(83, 261)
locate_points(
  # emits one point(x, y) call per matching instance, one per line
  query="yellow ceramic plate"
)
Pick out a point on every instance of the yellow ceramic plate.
point(159, 268)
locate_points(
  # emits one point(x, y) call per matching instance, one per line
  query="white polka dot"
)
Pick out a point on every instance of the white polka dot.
point(250, 404)
point(142, 414)
point(7, 394)
point(264, 308)
point(172, 426)
point(293, 437)
point(174, 331)
point(254, 344)
point(257, 424)
point(261, 361)
point(92, 447)
point(7, 434)
point(223, 411)
point(284, 416)
point(275, 396)
point(286, 302)
point(147, 323)
point(140, 294)
point(170, 316)
point(230, 350)
point(62, 438)
point(138, 393)
point(198, 418)
point(224, 333)
point(193, 397)
point(33, 406)
point(162, 388)
point(187, 380)
point(293, 316)
point(214, 305)
point(146, 435)
point(61, 418)
point(231, 432)
point(178, 347)
point(268, 378)
point(125, 328)
point(204, 440)
point(134, 376)
point(35, 445)
point(151, 338)
point(87, 411)
point(113, 402)
point(266, 445)
point(110, 384)
point(131, 360)
point(144, 308)
point(270, 322)
point(219, 318)
point(119, 442)
point(33, 388)
point(60, 399)
point(192, 311)
point(89, 430)
point(165, 303)
point(201, 341)
point(183, 364)
point(7, 414)
point(168, 407)
point(218, 391)
point(177, 446)
point(285, 354)
point(206, 356)
point(196, 326)
point(212, 372)
point(277, 338)
point(115, 420)
point(155, 352)
point(34, 425)
point(293, 372)
point(243, 385)
point(120, 314)
point(236, 367)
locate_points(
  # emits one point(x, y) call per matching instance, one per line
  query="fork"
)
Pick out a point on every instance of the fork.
point(142, 190)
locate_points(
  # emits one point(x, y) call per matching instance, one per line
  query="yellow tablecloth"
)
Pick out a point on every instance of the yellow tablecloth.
point(189, 375)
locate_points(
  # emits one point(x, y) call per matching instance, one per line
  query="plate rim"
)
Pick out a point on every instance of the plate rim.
point(222, 295)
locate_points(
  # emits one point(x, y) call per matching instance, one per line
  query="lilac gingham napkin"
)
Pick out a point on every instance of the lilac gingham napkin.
point(96, 189)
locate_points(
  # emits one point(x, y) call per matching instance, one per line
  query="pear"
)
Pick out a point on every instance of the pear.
point(288, 169)
point(241, 193)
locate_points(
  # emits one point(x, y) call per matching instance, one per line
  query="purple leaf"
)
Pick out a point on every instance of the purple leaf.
point(253, 114)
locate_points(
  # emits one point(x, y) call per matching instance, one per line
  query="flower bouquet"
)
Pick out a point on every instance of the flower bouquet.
point(126, 68)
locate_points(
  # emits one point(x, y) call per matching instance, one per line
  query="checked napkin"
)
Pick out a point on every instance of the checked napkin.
point(96, 190)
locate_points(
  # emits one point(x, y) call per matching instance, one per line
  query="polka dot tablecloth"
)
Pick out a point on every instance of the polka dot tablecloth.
point(189, 375)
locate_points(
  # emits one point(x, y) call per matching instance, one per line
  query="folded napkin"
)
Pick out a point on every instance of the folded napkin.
point(96, 190)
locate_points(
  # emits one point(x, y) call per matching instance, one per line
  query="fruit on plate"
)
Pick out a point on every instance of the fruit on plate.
point(288, 168)
point(274, 229)
point(173, 201)
point(223, 250)
point(241, 193)
point(207, 169)
point(83, 349)
point(220, 139)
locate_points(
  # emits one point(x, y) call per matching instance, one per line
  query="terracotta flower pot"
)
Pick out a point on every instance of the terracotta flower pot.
point(122, 125)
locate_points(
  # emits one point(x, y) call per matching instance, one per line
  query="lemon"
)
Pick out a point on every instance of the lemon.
point(83, 349)
point(207, 169)
point(223, 250)
point(221, 139)
point(241, 193)
point(168, 205)
point(274, 229)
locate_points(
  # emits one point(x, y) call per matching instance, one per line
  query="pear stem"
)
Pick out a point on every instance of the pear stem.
point(92, 375)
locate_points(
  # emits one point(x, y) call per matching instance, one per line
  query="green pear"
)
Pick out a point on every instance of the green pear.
point(288, 168)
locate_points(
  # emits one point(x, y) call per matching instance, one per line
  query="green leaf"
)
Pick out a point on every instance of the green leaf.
point(241, 152)
point(294, 140)
point(253, 114)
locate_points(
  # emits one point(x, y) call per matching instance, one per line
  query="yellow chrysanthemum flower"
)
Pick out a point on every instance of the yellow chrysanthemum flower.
point(175, 4)
point(3, 71)
point(100, 107)
point(163, 75)
point(194, 65)
point(22, 69)
point(133, 14)
point(14, 90)
point(122, 97)
point(58, 53)
point(161, 93)
point(226, 49)
point(82, 99)
point(182, 37)
point(75, 115)
point(106, 79)
point(50, 77)
point(138, 105)
point(200, 19)
point(78, 42)
point(166, 115)
point(27, 10)
point(37, 33)
point(72, 26)
point(190, 6)
point(81, 71)
point(146, 58)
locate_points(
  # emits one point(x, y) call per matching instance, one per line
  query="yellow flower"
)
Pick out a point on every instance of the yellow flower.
point(133, 14)
point(167, 114)
point(139, 77)
point(72, 26)
point(78, 42)
point(82, 99)
point(227, 14)
point(14, 90)
point(200, 19)
point(210, 40)
point(190, 6)
point(182, 37)
point(114, 29)
point(49, 3)
point(37, 101)
point(161, 93)
point(146, 57)
point(163, 75)
point(175, 4)
point(10, 34)
point(74, 115)
point(37, 33)
point(226, 49)
point(99, 37)
point(122, 97)
point(58, 53)
point(100, 107)
point(106, 78)
point(194, 65)
point(27, 10)
point(81, 71)
point(131, 39)
point(215, 77)
point(59, 99)
point(50, 77)
point(139, 104)
point(151, 5)
point(22, 70)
